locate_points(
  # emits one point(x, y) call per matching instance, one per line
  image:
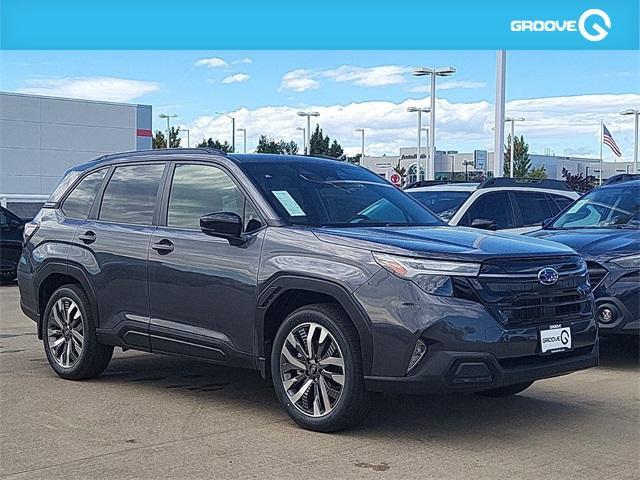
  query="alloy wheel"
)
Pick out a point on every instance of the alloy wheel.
point(65, 332)
point(312, 369)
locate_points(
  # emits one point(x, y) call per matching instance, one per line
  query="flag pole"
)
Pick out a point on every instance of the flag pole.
point(601, 137)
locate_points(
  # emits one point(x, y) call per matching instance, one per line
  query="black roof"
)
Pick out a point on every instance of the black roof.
point(548, 183)
point(236, 157)
point(622, 178)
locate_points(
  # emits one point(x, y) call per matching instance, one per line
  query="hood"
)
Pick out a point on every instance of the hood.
point(443, 242)
point(595, 242)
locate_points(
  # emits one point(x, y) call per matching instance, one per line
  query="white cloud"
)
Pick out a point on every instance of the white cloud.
point(556, 122)
point(383, 75)
point(448, 85)
point(299, 81)
point(245, 60)
point(236, 78)
point(110, 89)
point(213, 62)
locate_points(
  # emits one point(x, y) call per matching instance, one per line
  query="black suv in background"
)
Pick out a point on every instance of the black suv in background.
point(315, 272)
point(11, 227)
point(604, 227)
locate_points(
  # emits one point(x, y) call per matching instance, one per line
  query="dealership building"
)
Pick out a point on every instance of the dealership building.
point(41, 137)
point(459, 165)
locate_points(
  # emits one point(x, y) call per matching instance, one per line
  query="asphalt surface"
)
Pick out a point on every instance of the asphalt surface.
point(151, 416)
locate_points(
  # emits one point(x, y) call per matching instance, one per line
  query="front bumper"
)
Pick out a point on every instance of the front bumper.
point(466, 372)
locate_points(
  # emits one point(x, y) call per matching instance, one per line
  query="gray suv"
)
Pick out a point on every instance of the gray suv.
point(317, 273)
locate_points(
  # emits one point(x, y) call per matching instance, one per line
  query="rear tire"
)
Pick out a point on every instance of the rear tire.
point(507, 391)
point(69, 336)
point(319, 382)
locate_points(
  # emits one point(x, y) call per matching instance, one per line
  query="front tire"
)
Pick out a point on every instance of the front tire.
point(317, 371)
point(69, 336)
point(507, 391)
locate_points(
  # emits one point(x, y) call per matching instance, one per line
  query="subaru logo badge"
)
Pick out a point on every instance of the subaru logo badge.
point(548, 276)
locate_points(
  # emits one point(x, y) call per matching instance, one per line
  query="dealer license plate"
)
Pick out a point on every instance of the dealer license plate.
point(555, 340)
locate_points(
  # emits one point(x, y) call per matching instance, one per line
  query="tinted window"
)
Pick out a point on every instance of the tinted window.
point(200, 189)
point(326, 193)
point(534, 207)
point(79, 201)
point(561, 202)
point(130, 196)
point(443, 203)
point(494, 206)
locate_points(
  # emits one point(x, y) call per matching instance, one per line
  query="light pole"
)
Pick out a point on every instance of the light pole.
point(233, 129)
point(635, 113)
point(308, 115)
point(188, 139)
point(434, 72)
point(168, 117)
point(426, 134)
point(361, 130)
point(420, 111)
point(513, 142)
point(244, 139)
point(304, 137)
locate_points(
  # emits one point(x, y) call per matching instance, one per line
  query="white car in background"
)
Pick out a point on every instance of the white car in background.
point(515, 206)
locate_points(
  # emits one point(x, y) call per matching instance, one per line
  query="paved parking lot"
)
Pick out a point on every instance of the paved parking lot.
point(163, 417)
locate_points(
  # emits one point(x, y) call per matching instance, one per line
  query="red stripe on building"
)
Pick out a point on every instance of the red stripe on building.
point(144, 133)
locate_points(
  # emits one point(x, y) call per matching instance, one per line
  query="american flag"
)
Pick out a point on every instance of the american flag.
point(607, 139)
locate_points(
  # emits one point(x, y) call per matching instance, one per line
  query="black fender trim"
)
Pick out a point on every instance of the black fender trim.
point(280, 284)
point(78, 274)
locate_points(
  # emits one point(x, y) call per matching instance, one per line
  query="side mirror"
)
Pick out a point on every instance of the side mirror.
point(484, 224)
point(222, 224)
point(547, 221)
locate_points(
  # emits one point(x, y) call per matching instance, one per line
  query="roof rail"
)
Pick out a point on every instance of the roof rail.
point(162, 151)
point(526, 182)
point(430, 183)
point(621, 178)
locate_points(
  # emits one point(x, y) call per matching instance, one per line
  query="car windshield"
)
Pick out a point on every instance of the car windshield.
point(610, 207)
point(335, 194)
point(441, 202)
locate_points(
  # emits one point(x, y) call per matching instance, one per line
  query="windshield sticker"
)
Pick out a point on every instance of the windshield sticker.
point(289, 203)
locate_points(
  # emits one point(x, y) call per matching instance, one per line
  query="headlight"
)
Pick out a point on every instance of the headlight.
point(432, 276)
point(631, 261)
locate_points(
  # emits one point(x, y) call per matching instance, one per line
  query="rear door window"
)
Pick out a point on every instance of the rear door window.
point(561, 202)
point(534, 207)
point(79, 201)
point(494, 206)
point(131, 194)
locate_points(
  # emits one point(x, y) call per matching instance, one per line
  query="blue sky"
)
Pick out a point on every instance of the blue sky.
point(561, 94)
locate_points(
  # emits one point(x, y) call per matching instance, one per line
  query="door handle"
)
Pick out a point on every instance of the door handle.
point(163, 247)
point(88, 237)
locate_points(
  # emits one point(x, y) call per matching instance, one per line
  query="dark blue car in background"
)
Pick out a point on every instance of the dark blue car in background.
point(604, 227)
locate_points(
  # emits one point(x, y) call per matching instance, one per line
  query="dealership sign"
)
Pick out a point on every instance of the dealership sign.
point(593, 25)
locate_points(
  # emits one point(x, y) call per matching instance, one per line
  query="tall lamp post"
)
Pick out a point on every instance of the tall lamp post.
point(361, 130)
point(233, 129)
point(420, 111)
point(308, 115)
point(426, 134)
point(304, 136)
point(513, 142)
point(434, 72)
point(244, 139)
point(188, 138)
point(168, 117)
point(635, 113)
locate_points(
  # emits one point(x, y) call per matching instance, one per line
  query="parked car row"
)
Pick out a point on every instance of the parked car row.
point(319, 274)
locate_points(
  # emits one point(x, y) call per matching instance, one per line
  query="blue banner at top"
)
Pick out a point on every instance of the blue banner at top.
point(320, 24)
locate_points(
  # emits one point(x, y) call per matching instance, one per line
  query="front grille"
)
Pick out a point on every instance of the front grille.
point(596, 273)
point(512, 292)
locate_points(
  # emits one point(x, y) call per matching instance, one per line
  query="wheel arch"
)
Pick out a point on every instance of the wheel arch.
point(53, 276)
point(286, 293)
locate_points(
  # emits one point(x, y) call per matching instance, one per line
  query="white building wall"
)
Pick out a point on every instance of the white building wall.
point(40, 137)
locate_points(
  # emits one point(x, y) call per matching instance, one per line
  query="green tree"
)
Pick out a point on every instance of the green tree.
point(521, 163)
point(211, 143)
point(269, 145)
point(159, 139)
point(579, 182)
point(320, 144)
point(402, 171)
